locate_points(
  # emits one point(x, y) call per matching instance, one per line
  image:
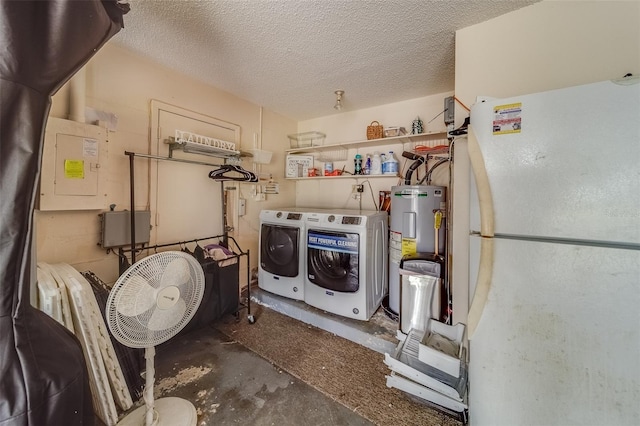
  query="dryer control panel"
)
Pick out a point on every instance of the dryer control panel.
point(351, 220)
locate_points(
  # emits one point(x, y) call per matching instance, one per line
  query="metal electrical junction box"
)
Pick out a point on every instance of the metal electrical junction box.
point(449, 110)
point(116, 228)
point(73, 166)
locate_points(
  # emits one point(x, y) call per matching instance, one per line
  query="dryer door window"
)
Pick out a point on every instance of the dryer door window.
point(333, 260)
point(279, 250)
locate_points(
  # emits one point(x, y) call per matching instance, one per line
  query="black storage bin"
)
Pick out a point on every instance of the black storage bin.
point(221, 292)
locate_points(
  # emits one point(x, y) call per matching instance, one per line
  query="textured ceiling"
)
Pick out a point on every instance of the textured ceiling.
point(291, 55)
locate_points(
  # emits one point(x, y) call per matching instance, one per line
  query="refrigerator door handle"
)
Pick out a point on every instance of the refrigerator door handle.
point(485, 201)
point(483, 285)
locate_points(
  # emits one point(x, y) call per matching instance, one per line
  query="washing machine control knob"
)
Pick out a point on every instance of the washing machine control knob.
point(331, 218)
point(279, 215)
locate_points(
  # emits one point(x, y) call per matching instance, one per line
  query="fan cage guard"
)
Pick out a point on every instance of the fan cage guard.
point(133, 331)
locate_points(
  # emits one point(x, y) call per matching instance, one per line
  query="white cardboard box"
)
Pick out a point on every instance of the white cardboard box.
point(298, 165)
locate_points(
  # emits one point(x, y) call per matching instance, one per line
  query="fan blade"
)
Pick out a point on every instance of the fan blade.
point(136, 297)
point(162, 319)
point(177, 272)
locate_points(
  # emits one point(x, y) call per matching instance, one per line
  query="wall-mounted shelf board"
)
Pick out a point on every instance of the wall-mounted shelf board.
point(345, 176)
point(370, 143)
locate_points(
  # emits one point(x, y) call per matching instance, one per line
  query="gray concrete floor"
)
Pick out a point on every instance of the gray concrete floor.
point(229, 385)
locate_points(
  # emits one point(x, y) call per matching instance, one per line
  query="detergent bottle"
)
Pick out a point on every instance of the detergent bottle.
point(384, 165)
point(376, 164)
point(390, 165)
point(357, 162)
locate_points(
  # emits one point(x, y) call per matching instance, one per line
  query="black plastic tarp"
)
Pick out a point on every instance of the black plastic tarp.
point(43, 377)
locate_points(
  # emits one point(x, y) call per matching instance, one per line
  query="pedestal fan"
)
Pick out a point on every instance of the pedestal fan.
point(148, 305)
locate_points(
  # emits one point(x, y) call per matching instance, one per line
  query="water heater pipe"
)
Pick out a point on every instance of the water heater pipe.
point(418, 161)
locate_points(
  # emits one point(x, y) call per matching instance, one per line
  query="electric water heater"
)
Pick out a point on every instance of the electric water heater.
point(413, 209)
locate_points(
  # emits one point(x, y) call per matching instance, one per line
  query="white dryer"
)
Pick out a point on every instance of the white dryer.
point(282, 253)
point(346, 261)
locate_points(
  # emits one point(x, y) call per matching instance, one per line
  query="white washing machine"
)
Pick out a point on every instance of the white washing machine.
point(346, 270)
point(282, 253)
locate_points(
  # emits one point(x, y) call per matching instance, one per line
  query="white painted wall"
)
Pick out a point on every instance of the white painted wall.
point(545, 46)
point(351, 125)
point(123, 83)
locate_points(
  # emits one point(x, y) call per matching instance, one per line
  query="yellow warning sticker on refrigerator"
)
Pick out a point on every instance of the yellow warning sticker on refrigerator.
point(507, 119)
point(409, 246)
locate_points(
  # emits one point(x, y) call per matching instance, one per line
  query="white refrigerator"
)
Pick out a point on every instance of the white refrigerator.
point(554, 322)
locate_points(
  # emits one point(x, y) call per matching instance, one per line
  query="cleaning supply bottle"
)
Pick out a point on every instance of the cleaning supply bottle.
point(384, 165)
point(390, 166)
point(417, 127)
point(357, 170)
point(367, 165)
point(376, 164)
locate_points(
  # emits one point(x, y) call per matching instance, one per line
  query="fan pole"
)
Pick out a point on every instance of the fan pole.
point(149, 354)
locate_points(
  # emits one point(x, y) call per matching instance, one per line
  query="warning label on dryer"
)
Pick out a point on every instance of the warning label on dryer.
point(344, 243)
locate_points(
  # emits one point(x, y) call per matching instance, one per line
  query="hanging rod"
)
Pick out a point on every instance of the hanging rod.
point(195, 240)
point(177, 160)
point(131, 156)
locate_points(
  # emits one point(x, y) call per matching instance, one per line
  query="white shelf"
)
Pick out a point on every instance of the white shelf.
point(347, 176)
point(369, 143)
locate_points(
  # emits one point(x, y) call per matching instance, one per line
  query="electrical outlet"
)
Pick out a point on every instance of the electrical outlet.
point(357, 189)
point(260, 196)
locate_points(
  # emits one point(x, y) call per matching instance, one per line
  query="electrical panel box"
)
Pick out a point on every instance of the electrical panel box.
point(116, 228)
point(73, 166)
point(449, 110)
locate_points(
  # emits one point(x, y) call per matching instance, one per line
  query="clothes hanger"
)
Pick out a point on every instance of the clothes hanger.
point(230, 172)
point(223, 173)
point(198, 253)
point(185, 249)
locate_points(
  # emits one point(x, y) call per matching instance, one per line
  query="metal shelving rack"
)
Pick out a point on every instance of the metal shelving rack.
point(132, 156)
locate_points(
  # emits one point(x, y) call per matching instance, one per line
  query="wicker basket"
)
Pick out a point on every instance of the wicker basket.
point(374, 130)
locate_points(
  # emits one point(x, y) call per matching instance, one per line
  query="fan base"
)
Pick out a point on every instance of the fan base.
point(171, 412)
